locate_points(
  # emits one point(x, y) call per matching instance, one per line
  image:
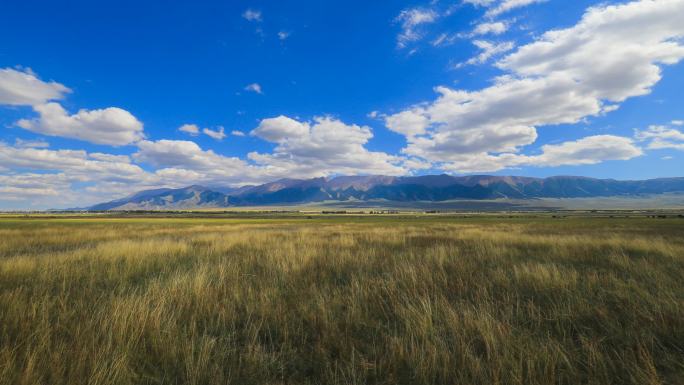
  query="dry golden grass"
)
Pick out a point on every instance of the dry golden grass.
point(342, 301)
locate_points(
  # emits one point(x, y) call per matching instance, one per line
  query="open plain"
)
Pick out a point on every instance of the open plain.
point(296, 299)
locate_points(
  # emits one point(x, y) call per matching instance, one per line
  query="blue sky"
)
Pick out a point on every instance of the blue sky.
point(98, 101)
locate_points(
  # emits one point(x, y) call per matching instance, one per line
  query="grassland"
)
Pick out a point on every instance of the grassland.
point(342, 300)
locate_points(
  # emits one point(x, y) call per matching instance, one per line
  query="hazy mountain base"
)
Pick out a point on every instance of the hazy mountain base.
point(653, 202)
point(661, 201)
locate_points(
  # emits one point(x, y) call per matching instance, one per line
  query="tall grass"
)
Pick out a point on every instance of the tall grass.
point(582, 301)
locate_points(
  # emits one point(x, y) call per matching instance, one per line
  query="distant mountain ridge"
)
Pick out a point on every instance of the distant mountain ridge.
point(400, 189)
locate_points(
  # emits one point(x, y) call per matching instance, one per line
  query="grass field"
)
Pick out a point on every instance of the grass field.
point(342, 300)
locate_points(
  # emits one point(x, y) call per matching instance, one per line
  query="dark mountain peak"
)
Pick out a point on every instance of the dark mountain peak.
point(441, 180)
point(146, 193)
point(286, 183)
point(359, 183)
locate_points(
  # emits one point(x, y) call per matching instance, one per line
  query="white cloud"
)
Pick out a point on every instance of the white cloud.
point(280, 128)
point(34, 176)
point(494, 28)
point(32, 186)
point(76, 163)
point(112, 126)
point(21, 143)
point(252, 15)
point(410, 20)
point(408, 123)
point(444, 39)
point(283, 35)
point(19, 88)
point(191, 129)
point(179, 160)
point(415, 164)
point(182, 154)
point(585, 151)
point(508, 5)
point(480, 3)
point(254, 87)
point(323, 147)
point(56, 178)
point(678, 122)
point(195, 130)
point(215, 134)
point(237, 133)
point(489, 50)
point(613, 53)
point(589, 150)
point(110, 157)
point(661, 137)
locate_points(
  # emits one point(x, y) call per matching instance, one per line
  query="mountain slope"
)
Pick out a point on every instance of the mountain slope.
point(400, 189)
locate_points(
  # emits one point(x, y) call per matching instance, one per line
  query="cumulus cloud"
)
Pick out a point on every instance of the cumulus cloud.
point(302, 150)
point(589, 150)
point(322, 147)
point(585, 151)
point(24, 88)
point(411, 19)
point(57, 178)
point(409, 123)
point(186, 161)
point(81, 178)
point(183, 154)
point(615, 52)
point(662, 137)
point(280, 128)
point(237, 133)
point(33, 176)
point(78, 164)
point(112, 126)
point(215, 134)
point(191, 129)
point(32, 186)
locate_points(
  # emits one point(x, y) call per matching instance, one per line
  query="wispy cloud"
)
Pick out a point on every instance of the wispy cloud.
point(493, 28)
point(252, 15)
point(563, 77)
point(21, 143)
point(254, 87)
point(283, 35)
point(509, 5)
point(488, 51)
point(662, 137)
point(411, 19)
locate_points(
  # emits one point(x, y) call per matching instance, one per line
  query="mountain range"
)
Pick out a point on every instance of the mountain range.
point(428, 188)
